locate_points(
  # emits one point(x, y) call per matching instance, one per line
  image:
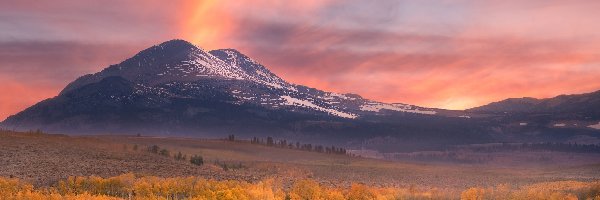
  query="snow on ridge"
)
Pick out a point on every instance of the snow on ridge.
point(595, 126)
point(342, 96)
point(235, 71)
point(304, 103)
point(219, 67)
point(377, 107)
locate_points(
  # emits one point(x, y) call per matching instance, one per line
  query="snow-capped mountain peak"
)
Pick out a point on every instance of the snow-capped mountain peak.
point(177, 68)
point(253, 70)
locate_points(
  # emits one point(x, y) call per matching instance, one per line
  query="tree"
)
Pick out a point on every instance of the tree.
point(283, 143)
point(360, 192)
point(269, 141)
point(179, 156)
point(164, 152)
point(306, 190)
point(197, 160)
point(473, 194)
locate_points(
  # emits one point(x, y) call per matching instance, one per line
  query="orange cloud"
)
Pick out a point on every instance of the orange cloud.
point(460, 73)
point(483, 59)
point(205, 23)
point(214, 24)
point(448, 54)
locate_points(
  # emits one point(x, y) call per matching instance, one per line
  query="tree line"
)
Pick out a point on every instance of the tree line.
point(282, 143)
point(155, 149)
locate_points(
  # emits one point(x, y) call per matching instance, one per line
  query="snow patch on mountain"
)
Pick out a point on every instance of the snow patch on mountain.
point(203, 63)
point(595, 126)
point(251, 69)
point(304, 103)
point(341, 96)
point(377, 107)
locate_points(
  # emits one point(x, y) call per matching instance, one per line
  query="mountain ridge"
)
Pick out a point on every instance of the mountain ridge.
point(562, 103)
point(192, 63)
point(177, 88)
point(167, 65)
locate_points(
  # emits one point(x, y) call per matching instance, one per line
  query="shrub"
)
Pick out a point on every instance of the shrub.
point(179, 156)
point(164, 152)
point(306, 190)
point(153, 149)
point(197, 160)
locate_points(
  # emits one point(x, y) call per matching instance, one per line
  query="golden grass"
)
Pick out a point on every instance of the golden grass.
point(129, 186)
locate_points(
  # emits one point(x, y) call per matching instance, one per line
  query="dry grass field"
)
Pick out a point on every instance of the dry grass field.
point(44, 160)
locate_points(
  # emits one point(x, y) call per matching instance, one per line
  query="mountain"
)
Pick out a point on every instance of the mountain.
point(178, 89)
point(587, 105)
point(178, 65)
point(577, 111)
point(175, 87)
point(583, 107)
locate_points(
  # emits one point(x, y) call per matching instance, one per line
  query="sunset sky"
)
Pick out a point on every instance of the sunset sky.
point(446, 54)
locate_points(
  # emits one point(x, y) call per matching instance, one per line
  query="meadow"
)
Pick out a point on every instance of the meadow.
point(46, 166)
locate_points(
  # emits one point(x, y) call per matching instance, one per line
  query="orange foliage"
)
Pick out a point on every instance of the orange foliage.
point(567, 190)
point(129, 186)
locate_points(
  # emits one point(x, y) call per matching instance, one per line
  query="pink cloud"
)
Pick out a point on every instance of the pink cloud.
point(449, 54)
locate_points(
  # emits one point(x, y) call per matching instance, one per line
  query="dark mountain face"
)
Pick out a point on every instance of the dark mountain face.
point(583, 107)
point(564, 114)
point(176, 88)
point(582, 103)
point(509, 105)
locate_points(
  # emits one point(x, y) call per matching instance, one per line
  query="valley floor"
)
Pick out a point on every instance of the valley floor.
point(44, 160)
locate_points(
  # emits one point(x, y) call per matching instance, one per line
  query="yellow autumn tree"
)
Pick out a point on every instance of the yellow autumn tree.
point(361, 192)
point(128, 186)
point(306, 190)
point(473, 194)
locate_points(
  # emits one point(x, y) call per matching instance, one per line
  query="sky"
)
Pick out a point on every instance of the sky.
point(452, 54)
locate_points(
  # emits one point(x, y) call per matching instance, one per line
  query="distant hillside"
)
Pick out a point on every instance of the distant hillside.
point(585, 104)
